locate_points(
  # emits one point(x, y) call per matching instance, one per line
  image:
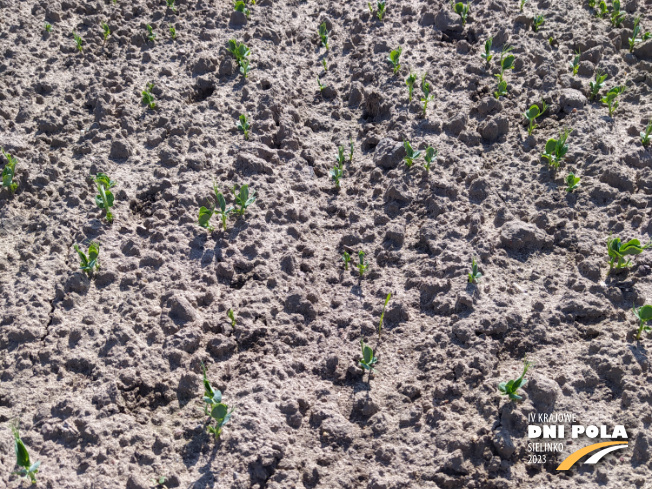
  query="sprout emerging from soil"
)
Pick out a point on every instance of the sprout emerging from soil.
point(610, 99)
point(380, 9)
point(338, 171)
point(522, 4)
point(90, 262)
point(575, 64)
point(475, 274)
point(618, 251)
point(104, 199)
point(150, 33)
point(506, 63)
point(509, 388)
point(617, 16)
point(215, 407)
point(645, 135)
point(323, 35)
point(231, 317)
point(9, 172)
point(322, 87)
point(243, 125)
point(531, 115)
point(48, 27)
point(106, 30)
point(78, 41)
point(643, 314)
point(242, 199)
point(27, 468)
point(462, 10)
point(173, 32)
point(148, 97)
point(241, 53)
point(382, 314)
point(603, 9)
point(426, 89)
point(219, 208)
point(323, 63)
point(429, 157)
point(368, 359)
point(394, 59)
point(347, 258)
point(410, 154)
point(487, 50)
point(597, 85)
point(537, 21)
point(591, 3)
point(410, 81)
point(635, 35)
point(362, 266)
point(556, 149)
point(170, 5)
point(572, 182)
point(240, 6)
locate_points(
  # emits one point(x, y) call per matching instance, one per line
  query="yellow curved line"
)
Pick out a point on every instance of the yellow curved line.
point(575, 456)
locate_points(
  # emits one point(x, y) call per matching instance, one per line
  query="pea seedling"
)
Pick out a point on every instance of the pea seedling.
point(475, 274)
point(170, 5)
point(380, 9)
point(241, 53)
point(322, 87)
point(426, 89)
point(506, 63)
point(362, 266)
point(394, 59)
point(243, 125)
point(78, 41)
point(27, 468)
point(9, 172)
point(148, 97)
point(160, 482)
point(323, 63)
point(231, 317)
point(575, 64)
point(487, 50)
point(610, 98)
point(635, 39)
point(531, 115)
point(104, 199)
point(462, 10)
point(603, 9)
point(592, 3)
point(382, 314)
point(643, 314)
point(90, 262)
point(501, 89)
point(242, 199)
point(595, 87)
point(572, 182)
point(215, 407)
point(410, 81)
point(221, 210)
point(336, 174)
point(368, 359)
point(510, 388)
point(429, 157)
point(618, 251)
point(323, 34)
point(537, 22)
point(346, 256)
point(556, 149)
point(48, 27)
point(617, 16)
point(173, 32)
point(645, 135)
point(410, 154)
point(106, 30)
point(240, 6)
point(522, 4)
point(150, 33)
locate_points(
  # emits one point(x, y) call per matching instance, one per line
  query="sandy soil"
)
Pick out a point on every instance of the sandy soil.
point(104, 373)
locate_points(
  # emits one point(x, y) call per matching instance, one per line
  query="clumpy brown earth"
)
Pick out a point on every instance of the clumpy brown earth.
point(104, 374)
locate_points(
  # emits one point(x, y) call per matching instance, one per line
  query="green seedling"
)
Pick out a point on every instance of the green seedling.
point(90, 262)
point(382, 314)
point(170, 5)
point(506, 63)
point(322, 87)
point(426, 89)
point(241, 53)
point(475, 274)
point(78, 41)
point(323, 34)
point(243, 125)
point(595, 87)
point(522, 4)
point(618, 251)
point(48, 27)
point(148, 97)
point(362, 266)
point(380, 9)
point(644, 314)
point(347, 258)
point(215, 407)
point(645, 135)
point(537, 21)
point(531, 115)
point(575, 64)
point(160, 482)
point(240, 6)
point(611, 98)
point(340, 156)
point(242, 199)
point(104, 199)
point(603, 9)
point(510, 388)
point(462, 10)
point(410, 154)
point(336, 174)
point(410, 81)
point(324, 64)
point(591, 3)
point(106, 30)
point(150, 33)
point(368, 359)
point(231, 316)
point(173, 32)
point(501, 89)
point(219, 208)
point(487, 56)
point(9, 172)
point(394, 59)
point(27, 468)
point(430, 156)
point(553, 42)
point(635, 35)
point(617, 16)
point(556, 149)
point(572, 182)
